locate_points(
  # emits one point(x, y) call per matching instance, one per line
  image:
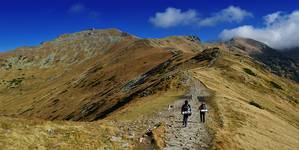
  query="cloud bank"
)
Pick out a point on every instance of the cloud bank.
point(176, 17)
point(281, 31)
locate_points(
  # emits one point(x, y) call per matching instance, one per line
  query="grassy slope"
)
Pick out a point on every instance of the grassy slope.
point(37, 134)
point(36, 95)
point(18, 133)
point(89, 71)
point(238, 124)
point(144, 108)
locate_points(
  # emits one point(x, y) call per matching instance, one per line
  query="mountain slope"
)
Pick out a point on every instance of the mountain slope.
point(248, 109)
point(125, 84)
point(292, 53)
point(272, 59)
point(85, 75)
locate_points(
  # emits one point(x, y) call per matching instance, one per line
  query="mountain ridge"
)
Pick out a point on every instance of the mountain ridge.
point(274, 60)
point(115, 85)
point(80, 61)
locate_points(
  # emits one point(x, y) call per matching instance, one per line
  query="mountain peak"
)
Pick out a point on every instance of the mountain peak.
point(111, 32)
point(248, 41)
point(247, 45)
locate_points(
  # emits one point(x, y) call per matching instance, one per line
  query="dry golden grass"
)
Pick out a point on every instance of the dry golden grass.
point(159, 136)
point(24, 134)
point(239, 125)
point(147, 107)
point(17, 133)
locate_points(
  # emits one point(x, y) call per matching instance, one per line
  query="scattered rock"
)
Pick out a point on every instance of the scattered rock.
point(195, 135)
point(115, 139)
point(124, 145)
point(50, 132)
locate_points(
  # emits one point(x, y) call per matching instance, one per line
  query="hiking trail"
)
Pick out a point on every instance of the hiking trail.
point(195, 135)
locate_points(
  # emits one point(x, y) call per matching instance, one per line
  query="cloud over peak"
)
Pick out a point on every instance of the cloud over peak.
point(176, 17)
point(272, 18)
point(229, 14)
point(281, 31)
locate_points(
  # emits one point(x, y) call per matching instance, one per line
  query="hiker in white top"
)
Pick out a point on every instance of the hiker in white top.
point(203, 109)
point(186, 112)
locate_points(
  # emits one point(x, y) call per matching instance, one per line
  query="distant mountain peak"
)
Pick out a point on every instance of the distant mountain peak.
point(247, 45)
point(111, 32)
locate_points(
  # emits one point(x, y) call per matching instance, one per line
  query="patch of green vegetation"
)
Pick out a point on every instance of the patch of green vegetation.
point(8, 66)
point(253, 103)
point(15, 82)
point(275, 85)
point(248, 71)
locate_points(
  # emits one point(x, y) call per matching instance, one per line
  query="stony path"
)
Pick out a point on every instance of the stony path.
point(195, 135)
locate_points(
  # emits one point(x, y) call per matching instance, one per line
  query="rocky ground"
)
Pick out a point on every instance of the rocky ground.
point(195, 135)
point(177, 137)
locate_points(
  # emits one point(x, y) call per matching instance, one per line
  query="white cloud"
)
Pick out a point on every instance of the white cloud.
point(173, 17)
point(272, 18)
point(281, 31)
point(229, 14)
point(77, 8)
point(176, 17)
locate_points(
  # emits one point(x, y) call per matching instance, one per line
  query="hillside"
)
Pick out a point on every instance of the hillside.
point(252, 108)
point(85, 75)
point(272, 59)
point(106, 88)
point(292, 53)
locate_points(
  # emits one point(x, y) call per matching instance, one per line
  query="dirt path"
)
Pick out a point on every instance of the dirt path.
point(195, 135)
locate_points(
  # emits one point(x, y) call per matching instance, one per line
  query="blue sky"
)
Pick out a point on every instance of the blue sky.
point(27, 23)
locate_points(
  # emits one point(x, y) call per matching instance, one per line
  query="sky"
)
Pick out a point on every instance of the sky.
point(30, 22)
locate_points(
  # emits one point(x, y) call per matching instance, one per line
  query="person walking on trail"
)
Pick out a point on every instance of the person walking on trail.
point(186, 112)
point(203, 109)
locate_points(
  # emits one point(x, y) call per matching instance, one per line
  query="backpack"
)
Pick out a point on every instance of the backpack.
point(186, 110)
point(202, 106)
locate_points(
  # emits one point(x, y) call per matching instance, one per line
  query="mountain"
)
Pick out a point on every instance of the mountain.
point(48, 81)
point(292, 53)
point(107, 89)
point(272, 59)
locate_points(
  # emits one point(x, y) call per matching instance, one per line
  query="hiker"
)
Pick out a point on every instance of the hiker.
point(203, 109)
point(186, 112)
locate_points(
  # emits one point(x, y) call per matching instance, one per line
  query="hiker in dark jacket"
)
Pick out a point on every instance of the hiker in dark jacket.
point(186, 112)
point(203, 109)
